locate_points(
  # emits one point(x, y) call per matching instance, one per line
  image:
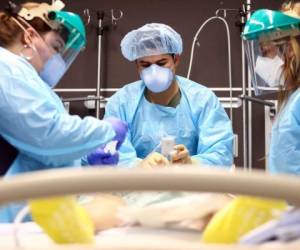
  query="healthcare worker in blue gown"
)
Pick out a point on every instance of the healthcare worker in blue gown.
point(38, 42)
point(163, 104)
point(278, 32)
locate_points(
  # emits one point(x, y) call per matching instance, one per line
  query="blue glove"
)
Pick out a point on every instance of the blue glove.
point(120, 129)
point(100, 157)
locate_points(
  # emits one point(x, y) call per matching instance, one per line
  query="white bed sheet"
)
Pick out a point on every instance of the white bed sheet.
point(31, 236)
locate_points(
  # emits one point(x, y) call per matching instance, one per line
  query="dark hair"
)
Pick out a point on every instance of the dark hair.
point(288, 4)
point(291, 70)
point(10, 31)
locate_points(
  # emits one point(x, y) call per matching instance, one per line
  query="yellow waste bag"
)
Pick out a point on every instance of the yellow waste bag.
point(241, 216)
point(63, 219)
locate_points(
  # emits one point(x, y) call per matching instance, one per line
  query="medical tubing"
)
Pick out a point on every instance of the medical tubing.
point(229, 55)
point(17, 223)
point(250, 104)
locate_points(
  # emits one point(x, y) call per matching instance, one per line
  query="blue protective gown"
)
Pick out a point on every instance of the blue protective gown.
point(34, 121)
point(284, 155)
point(198, 121)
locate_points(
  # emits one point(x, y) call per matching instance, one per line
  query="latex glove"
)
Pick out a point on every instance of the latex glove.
point(181, 155)
point(155, 160)
point(101, 157)
point(120, 129)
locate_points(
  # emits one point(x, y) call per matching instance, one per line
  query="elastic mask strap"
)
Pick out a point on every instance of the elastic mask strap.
point(17, 21)
point(19, 24)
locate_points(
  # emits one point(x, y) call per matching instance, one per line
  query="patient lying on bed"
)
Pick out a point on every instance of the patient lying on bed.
point(159, 210)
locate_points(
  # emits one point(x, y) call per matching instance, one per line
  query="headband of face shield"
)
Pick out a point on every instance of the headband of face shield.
point(266, 42)
point(68, 25)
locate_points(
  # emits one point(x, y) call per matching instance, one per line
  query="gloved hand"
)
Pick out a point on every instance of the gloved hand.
point(154, 160)
point(120, 128)
point(101, 157)
point(181, 155)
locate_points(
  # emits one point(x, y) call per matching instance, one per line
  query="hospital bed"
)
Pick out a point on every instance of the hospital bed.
point(83, 181)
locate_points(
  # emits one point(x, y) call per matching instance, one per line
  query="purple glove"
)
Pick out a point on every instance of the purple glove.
point(99, 157)
point(120, 129)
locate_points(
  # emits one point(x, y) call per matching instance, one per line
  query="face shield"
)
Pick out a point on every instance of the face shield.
point(266, 37)
point(266, 64)
point(72, 31)
point(67, 25)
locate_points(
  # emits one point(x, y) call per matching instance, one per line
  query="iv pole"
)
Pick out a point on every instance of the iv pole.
point(248, 10)
point(101, 14)
point(247, 140)
point(100, 29)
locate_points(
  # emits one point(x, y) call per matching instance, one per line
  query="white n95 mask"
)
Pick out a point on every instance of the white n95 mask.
point(156, 78)
point(270, 70)
point(53, 70)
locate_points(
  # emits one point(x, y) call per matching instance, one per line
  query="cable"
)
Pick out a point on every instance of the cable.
point(17, 221)
point(229, 54)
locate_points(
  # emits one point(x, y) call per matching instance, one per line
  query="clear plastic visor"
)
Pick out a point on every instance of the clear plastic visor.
point(266, 64)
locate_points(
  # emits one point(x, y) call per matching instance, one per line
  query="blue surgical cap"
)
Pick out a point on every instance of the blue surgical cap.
point(151, 39)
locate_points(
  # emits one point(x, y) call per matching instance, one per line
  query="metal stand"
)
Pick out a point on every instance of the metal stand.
point(247, 141)
point(81, 99)
point(270, 111)
point(256, 100)
point(101, 14)
point(100, 29)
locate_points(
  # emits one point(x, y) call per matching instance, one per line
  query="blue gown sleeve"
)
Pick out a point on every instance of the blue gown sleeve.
point(127, 152)
point(215, 144)
point(33, 122)
point(285, 147)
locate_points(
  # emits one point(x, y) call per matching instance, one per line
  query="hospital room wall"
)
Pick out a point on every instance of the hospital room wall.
point(210, 62)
